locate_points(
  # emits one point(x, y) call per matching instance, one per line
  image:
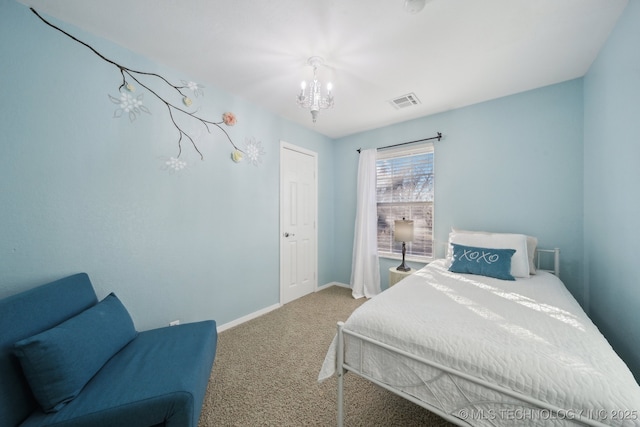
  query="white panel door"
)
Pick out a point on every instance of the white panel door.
point(298, 212)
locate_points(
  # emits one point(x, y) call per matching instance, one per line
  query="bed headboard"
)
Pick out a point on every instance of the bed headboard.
point(543, 263)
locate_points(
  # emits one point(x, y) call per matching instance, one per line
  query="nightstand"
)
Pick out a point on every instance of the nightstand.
point(396, 275)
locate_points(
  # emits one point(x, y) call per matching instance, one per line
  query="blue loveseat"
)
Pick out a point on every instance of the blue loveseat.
point(68, 360)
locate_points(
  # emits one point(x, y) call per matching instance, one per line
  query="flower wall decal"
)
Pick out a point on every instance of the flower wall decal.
point(229, 119)
point(237, 156)
point(132, 106)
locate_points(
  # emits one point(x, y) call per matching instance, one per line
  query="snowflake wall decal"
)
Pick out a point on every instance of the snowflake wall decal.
point(175, 165)
point(195, 87)
point(254, 151)
point(129, 105)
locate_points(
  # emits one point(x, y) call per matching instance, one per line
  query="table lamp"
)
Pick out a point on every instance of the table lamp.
point(403, 233)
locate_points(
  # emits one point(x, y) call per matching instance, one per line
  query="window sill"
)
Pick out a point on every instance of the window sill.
point(422, 260)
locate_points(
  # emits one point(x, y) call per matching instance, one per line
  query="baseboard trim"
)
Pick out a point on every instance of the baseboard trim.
point(266, 310)
point(330, 284)
point(248, 317)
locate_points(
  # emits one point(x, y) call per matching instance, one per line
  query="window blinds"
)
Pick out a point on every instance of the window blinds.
point(405, 189)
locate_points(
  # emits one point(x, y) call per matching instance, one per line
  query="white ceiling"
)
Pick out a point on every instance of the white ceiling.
point(451, 54)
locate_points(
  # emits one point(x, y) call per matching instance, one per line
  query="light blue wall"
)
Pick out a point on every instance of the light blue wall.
point(82, 191)
point(611, 187)
point(509, 165)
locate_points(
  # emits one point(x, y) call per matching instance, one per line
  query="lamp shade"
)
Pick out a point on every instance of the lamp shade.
point(403, 230)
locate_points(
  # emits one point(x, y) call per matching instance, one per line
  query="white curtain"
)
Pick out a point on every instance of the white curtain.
point(365, 270)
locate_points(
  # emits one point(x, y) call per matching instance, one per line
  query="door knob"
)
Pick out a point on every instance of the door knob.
point(287, 234)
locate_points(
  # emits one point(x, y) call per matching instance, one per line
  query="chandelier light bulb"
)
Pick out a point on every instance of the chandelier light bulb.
point(303, 85)
point(329, 87)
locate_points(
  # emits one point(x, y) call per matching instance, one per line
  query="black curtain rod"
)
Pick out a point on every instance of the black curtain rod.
point(439, 137)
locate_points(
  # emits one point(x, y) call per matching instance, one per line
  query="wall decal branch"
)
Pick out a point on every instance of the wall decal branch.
point(132, 106)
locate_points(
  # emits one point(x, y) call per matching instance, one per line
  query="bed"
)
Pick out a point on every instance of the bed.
point(483, 351)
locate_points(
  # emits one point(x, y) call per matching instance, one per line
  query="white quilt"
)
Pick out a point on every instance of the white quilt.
point(529, 336)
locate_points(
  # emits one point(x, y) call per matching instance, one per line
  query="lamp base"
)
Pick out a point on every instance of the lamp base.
point(403, 266)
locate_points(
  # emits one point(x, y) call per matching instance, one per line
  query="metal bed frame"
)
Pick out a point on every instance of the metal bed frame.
point(528, 403)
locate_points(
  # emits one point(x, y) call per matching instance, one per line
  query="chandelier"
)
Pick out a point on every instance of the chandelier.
point(414, 6)
point(312, 98)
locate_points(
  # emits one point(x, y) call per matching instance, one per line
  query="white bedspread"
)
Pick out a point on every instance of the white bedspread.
point(529, 336)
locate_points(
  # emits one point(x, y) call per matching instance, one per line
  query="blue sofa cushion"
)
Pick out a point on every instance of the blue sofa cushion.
point(58, 362)
point(53, 303)
point(159, 378)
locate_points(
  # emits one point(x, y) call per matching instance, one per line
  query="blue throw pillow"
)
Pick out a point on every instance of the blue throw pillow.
point(59, 362)
point(483, 261)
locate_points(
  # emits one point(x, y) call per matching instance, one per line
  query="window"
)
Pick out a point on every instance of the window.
point(405, 184)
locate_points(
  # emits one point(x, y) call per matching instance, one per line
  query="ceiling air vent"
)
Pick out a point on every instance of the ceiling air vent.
point(405, 101)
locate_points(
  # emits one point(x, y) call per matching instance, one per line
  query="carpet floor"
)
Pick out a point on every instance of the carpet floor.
point(265, 373)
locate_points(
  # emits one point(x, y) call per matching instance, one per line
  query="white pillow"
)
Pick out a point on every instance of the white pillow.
point(520, 259)
point(532, 245)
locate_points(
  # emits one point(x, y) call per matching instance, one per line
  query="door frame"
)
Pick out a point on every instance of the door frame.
point(287, 146)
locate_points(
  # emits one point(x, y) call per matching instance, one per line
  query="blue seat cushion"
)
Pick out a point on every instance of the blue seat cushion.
point(158, 378)
point(60, 361)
